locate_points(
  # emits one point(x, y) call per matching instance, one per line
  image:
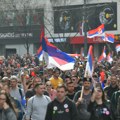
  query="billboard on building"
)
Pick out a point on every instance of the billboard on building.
point(70, 19)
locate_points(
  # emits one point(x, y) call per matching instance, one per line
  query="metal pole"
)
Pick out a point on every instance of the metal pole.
point(85, 29)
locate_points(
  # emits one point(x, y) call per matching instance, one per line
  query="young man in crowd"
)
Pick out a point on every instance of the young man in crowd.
point(37, 105)
point(70, 90)
point(56, 80)
point(82, 99)
point(61, 108)
point(113, 87)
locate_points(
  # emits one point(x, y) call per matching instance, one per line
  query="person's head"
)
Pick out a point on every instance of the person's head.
point(113, 80)
point(5, 99)
point(13, 81)
point(87, 83)
point(5, 80)
point(39, 88)
point(61, 92)
point(56, 73)
point(6, 88)
point(95, 78)
point(70, 87)
point(48, 85)
point(8, 72)
point(108, 80)
point(67, 79)
point(75, 79)
point(73, 72)
point(36, 80)
point(99, 93)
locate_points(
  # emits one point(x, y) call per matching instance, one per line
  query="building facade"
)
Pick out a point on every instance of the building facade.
point(21, 24)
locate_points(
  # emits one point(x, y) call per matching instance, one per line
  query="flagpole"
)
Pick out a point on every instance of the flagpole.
point(85, 29)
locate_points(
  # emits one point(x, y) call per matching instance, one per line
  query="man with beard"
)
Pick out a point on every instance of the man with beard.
point(82, 99)
point(70, 90)
point(113, 87)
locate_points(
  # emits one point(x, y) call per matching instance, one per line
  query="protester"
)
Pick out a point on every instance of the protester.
point(70, 90)
point(114, 102)
point(17, 92)
point(15, 103)
point(37, 105)
point(51, 92)
point(56, 80)
point(113, 87)
point(99, 107)
point(61, 108)
point(29, 72)
point(31, 92)
point(6, 109)
point(75, 80)
point(82, 99)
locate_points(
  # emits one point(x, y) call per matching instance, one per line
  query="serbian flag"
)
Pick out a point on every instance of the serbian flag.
point(42, 33)
point(108, 37)
point(103, 55)
point(89, 64)
point(96, 32)
point(55, 57)
point(117, 48)
point(82, 52)
point(109, 58)
point(40, 53)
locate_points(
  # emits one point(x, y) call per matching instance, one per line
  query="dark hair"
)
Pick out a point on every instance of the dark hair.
point(103, 94)
point(8, 101)
point(62, 86)
point(37, 85)
point(56, 70)
point(71, 82)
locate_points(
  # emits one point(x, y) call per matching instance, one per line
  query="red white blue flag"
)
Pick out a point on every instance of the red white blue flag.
point(89, 64)
point(117, 48)
point(103, 55)
point(108, 37)
point(96, 32)
point(55, 57)
point(109, 58)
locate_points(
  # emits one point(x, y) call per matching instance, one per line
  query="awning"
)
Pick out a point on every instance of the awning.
point(80, 40)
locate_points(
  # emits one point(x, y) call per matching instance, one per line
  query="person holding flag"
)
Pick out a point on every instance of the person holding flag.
point(82, 99)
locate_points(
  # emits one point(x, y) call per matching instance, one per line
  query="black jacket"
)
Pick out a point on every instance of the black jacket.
point(100, 112)
point(61, 111)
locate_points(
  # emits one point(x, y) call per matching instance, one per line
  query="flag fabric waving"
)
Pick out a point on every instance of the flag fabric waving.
point(40, 53)
point(55, 57)
point(89, 64)
point(108, 37)
point(96, 32)
point(109, 58)
point(117, 48)
point(103, 55)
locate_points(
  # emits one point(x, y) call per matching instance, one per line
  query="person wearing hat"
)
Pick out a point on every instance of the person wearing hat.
point(82, 99)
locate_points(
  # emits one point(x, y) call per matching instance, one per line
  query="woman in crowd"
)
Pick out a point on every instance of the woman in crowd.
point(6, 109)
point(52, 92)
point(99, 107)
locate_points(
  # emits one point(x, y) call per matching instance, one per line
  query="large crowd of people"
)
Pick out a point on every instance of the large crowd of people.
point(30, 91)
